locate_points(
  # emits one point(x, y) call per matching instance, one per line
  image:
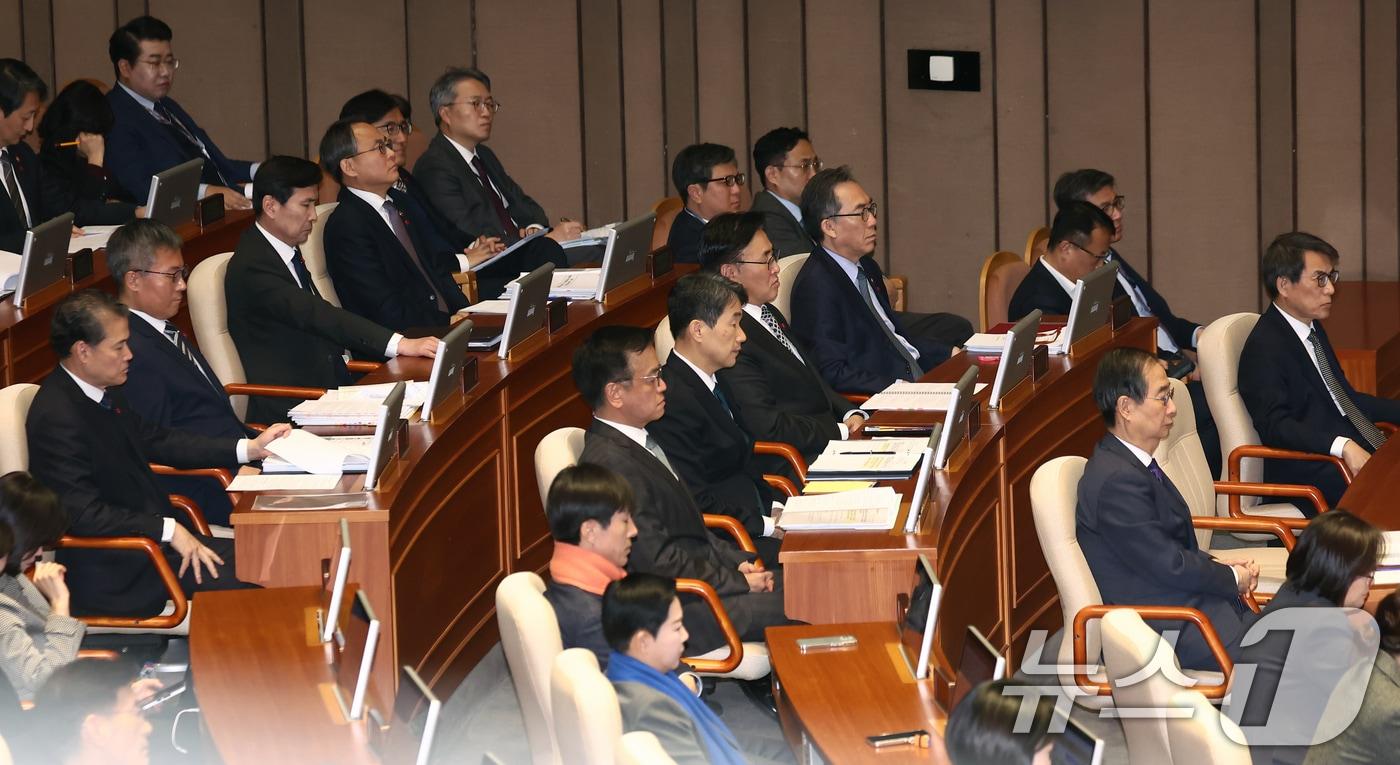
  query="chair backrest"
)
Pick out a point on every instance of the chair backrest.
point(1001, 275)
point(788, 267)
point(531, 641)
point(14, 410)
point(642, 747)
point(209, 315)
point(587, 719)
point(1037, 244)
point(1205, 735)
point(314, 252)
point(666, 211)
point(1183, 459)
point(1219, 348)
point(664, 340)
point(1129, 645)
point(556, 451)
point(1054, 489)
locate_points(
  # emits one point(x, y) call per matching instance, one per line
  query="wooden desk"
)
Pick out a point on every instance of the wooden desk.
point(1365, 331)
point(264, 680)
point(1372, 494)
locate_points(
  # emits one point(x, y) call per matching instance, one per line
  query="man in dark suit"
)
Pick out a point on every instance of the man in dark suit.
point(463, 177)
point(1135, 527)
point(378, 257)
point(1295, 389)
point(1079, 238)
point(700, 430)
point(169, 383)
point(152, 133)
point(708, 180)
point(89, 446)
point(21, 93)
point(840, 309)
point(619, 377)
point(286, 333)
point(784, 160)
point(778, 393)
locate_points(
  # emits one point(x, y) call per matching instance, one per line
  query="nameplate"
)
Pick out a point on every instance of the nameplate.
point(80, 265)
point(661, 262)
point(209, 210)
point(1123, 312)
point(558, 314)
point(1040, 362)
point(469, 373)
point(974, 420)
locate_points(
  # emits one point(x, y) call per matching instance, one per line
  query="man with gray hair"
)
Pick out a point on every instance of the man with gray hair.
point(169, 382)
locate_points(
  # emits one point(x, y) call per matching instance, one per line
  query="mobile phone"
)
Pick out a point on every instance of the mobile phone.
point(155, 701)
point(918, 738)
point(830, 641)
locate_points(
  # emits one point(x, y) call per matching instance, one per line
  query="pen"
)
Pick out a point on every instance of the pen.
point(67, 144)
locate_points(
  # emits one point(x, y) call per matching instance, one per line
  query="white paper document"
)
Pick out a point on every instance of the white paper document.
point(10, 263)
point(874, 508)
point(1390, 548)
point(897, 444)
point(914, 397)
point(508, 250)
point(294, 482)
point(414, 393)
point(575, 283)
point(313, 454)
point(94, 237)
point(501, 307)
point(986, 344)
point(842, 467)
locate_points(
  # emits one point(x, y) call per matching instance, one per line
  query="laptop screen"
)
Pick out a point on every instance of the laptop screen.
point(980, 662)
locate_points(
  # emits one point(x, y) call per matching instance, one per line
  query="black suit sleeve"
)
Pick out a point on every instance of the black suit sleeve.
point(83, 190)
point(762, 417)
point(681, 434)
point(1266, 388)
point(291, 305)
point(182, 449)
point(832, 347)
point(362, 277)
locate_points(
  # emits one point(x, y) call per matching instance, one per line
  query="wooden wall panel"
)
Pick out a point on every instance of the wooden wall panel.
point(1203, 199)
point(601, 74)
point(544, 154)
point(1382, 147)
point(439, 34)
point(283, 46)
point(721, 61)
point(644, 111)
point(86, 25)
point(351, 46)
point(1327, 77)
point(777, 94)
point(1277, 179)
point(941, 219)
point(36, 20)
point(1017, 77)
point(678, 68)
point(11, 30)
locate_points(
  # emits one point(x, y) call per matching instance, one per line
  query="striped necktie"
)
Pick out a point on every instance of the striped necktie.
point(770, 320)
point(178, 338)
point(1361, 422)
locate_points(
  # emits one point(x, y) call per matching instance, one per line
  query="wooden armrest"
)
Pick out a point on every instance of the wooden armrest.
point(1175, 613)
point(276, 391)
point(192, 511)
point(355, 365)
point(222, 475)
point(163, 570)
point(1251, 601)
point(782, 484)
point(1255, 524)
point(898, 287)
point(1237, 489)
point(735, 529)
point(731, 635)
point(1389, 428)
point(1269, 452)
point(466, 280)
point(787, 452)
point(98, 654)
point(855, 398)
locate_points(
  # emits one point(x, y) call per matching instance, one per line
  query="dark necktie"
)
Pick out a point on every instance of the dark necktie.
point(303, 275)
point(7, 165)
point(724, 401)
point(182, 134)
point(396, 222)
point(178, 338)
point(1157, 472)
point(863, 283)
point(512, 233)
point(770, 320)
point(108, 403)
point(1361, 422)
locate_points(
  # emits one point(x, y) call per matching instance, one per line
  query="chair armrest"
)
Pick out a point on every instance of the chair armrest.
point(731, 635)
point(98, 654)
point(1269, 452)
point(782, 484)
point(192, 511)
point(466, 281)
point(1390, 428)
point(163, 570)
point(735, 529)
point(1237, 489)
point(855, 398)
point(1175, 613)
point(363, 366)
point(222, 475)
point(787, 452)
point(1256, 524)
point(276, 391)
point(898, 287)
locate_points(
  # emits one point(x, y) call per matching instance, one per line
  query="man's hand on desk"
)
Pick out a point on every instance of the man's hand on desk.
point(194, 553)
point(854, 424)
point(233, 200)
point(425, 347)
point(1355, 457)
point(566, 231)
point(483, 248)
point(257, 448)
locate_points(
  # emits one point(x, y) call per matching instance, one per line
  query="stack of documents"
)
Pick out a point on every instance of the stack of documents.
point(1388, 572)
point(9, 271)
point(508, 250)
point(575, 283)
point(94, 237)
point(986, 344)
point(860, 509)
point(331, 410)
point(303, 452)
point(867, 460)
point(914, 397)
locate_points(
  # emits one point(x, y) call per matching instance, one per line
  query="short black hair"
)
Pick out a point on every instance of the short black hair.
point(637, 602)
point(125, 42)
point(79, 108)
point(981, 727)
point(337, 144)
point(280, 177)
point(772, 148)
point(1079, 185)
point(79, 317)
point(17, 80)
point(1335, 548)
point(133, 247)
point(725, 237)
point(1075, 223)
point(819, 200)
point(1388, 618)
point(1283, 258)
point(584, 492)
point(369, 106)
point(74, 691)
point(30, 515)
point(701, 295)
point(1121, 372)
point(602, 359)
point(695, 163)
point(444, 88)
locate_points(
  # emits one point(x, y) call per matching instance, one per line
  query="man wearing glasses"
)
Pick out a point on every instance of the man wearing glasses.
point(784, 160)
point(1290, 379)
point(1079, 243)
point(464, 178)
point(708, 180)
point(152, 133)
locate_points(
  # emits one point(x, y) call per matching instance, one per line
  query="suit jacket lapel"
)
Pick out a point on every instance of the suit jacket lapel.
point(1182, 516)
point(1296, 351)
point(706, 397)
point(455, 157)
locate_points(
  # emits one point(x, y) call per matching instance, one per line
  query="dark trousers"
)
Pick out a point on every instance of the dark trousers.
point(946, 328)
point(491, 281)
point(751, 613)
point(125, 583)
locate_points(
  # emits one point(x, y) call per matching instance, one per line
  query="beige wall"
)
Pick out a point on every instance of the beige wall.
point(1225, 121)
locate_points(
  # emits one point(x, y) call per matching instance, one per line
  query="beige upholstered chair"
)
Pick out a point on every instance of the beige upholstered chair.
point(1206, 736)
point(14, 410)
point(1002, 273)
point(1037, 243)
point(1219, 349)
point(557, 450)
point(640, 747)
point(788, 266)
point(530, 639)
point(665, 341)
point(587, 719)
point(1130, 646)
point(314, 252)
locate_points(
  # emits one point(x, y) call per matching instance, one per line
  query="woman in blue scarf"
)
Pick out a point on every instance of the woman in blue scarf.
point(642, 623)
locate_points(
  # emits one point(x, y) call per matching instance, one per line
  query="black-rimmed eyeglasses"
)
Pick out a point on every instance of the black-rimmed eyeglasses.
point(867, 213)
point(383, 146)
point(178, 275)
point(738, 179)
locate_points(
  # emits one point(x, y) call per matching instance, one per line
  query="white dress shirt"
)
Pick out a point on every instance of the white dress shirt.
point(792, 208)
point(22, 200)
point(756, 311)
point(853, 272)
point(150, 106)
point(1164, 338)
point(1070, 286)
point(469, 155)
point(1303, 330)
